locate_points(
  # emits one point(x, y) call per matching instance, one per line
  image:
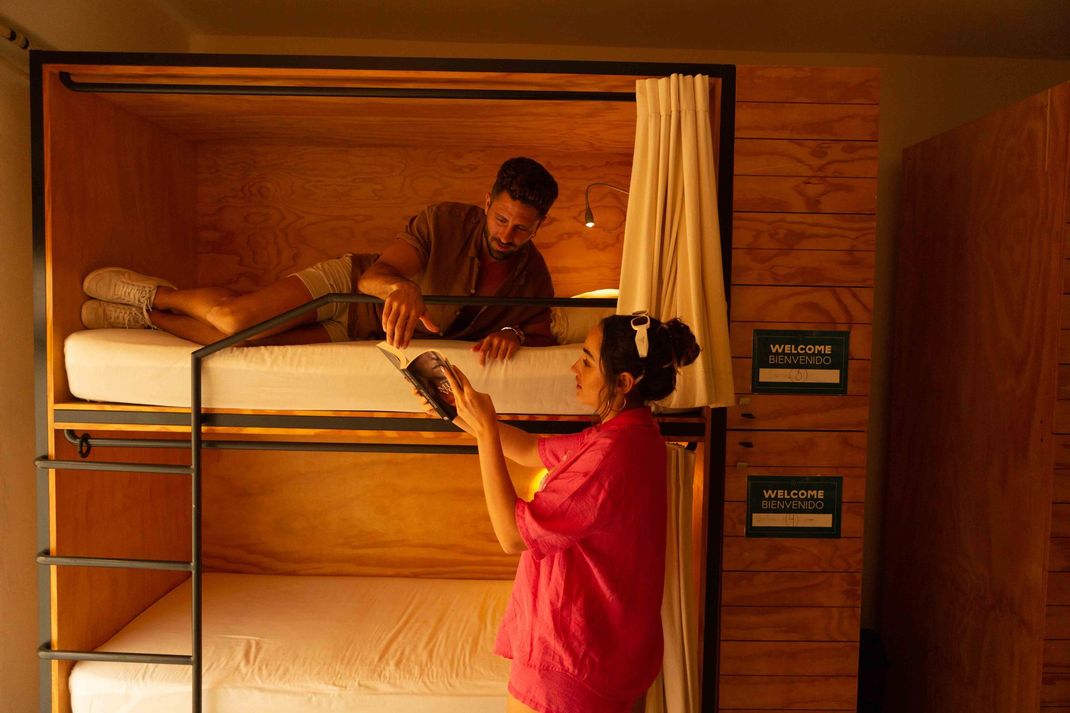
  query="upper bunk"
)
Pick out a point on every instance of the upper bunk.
point(235, 171)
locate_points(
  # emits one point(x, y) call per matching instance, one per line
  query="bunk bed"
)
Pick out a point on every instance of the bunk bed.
point(235, 170)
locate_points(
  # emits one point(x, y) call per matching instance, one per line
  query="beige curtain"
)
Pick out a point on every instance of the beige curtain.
point(677, 689)
point(672, 243)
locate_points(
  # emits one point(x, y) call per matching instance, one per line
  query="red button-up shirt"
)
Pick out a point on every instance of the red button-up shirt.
point(587, 597)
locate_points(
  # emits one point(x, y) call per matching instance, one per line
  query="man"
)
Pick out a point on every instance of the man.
point(448, 249)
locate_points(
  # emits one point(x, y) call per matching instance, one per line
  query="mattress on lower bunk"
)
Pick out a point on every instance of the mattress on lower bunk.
point(153, 368)
point(279, 644)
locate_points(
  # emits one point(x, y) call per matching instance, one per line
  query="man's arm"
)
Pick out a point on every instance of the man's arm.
point(390, 279)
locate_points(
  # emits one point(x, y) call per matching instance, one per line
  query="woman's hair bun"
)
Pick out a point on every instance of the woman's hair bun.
point(685, 348)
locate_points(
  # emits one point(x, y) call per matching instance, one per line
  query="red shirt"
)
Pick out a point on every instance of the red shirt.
point(587, 597)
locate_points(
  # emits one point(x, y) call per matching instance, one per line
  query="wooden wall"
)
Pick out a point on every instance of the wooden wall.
point(1055, 686)
point(968, 505)
point(804, 235)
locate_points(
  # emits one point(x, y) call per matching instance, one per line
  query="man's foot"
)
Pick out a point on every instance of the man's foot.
point(116, 284)
point(110, 315)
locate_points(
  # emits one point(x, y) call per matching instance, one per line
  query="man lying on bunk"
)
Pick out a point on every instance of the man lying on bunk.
point(446, 249)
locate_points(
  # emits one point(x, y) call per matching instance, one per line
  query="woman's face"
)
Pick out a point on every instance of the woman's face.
point(590, 383)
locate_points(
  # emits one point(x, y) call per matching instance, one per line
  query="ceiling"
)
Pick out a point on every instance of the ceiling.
point(979, 28)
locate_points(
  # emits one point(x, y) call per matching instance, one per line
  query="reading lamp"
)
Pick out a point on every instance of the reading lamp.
point(588, 216)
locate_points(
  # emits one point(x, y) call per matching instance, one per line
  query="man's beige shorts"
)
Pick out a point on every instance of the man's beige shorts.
point(323, 278)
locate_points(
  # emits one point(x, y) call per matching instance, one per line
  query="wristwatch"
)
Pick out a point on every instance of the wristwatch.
point(520, 338)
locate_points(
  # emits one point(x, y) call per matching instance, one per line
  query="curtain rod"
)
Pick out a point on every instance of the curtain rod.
point(15, 50)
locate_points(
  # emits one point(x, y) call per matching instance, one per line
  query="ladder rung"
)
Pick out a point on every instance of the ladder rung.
point(43, 557)
point(116, 467)
point(45, 651)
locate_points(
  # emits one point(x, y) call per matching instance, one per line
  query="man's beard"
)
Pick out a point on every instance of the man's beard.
point(494, 252)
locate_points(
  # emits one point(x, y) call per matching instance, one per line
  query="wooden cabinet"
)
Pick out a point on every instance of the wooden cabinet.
point(975, 520)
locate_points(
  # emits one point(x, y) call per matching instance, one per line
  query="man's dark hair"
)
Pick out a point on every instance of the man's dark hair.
point(526, 180)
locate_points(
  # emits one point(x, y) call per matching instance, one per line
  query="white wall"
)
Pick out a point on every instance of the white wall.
point(110, 25)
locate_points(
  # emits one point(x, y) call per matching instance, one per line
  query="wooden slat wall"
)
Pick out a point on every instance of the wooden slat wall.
point(1055, 684)
point(804, 237)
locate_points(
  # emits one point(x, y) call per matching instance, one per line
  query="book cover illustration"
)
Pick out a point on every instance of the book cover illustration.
point(425, 369)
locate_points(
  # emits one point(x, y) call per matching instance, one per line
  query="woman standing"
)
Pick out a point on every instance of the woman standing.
point(583, 627)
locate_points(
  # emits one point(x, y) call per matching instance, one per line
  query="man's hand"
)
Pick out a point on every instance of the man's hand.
point(500, 345)
point(403, 309)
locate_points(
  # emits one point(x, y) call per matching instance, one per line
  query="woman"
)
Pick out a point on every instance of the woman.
point(583, 627)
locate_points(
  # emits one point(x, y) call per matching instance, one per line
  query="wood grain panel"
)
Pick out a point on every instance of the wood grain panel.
point(785, 157)
point(1060, 520)
point(804, 231)
point(852, 518)
point(777, 120)
point(796, 448)
point(1064, 382)
point(1059, 588)
point(377, 514)
point(791, 589)
point(108, 514)
point(809, 658)
point(801, 413)
point(790, 692)
point(1057, 656)
point(794, 623)
point(1062, 451)
point(136, 212)
point(1055, 690)
point(815, 194)
point(802, 304)
point(1064, 346)
point(1057, 622)
point(791, 555)
point(265, 212)
point(1059, 551)
point(841, 85)
point(1061, 486)
point(479, 124)
point(976, 240)
point(741, 336)
point(753, 266)
point(854, 480)
point(858, 376)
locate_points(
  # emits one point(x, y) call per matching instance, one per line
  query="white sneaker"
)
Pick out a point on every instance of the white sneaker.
point(116, 284)
point(111, 315)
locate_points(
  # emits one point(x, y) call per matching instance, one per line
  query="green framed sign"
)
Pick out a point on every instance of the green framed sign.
point(794, 361)
point(794, 506)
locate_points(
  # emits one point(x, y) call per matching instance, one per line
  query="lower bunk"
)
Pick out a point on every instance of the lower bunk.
point(276, 644)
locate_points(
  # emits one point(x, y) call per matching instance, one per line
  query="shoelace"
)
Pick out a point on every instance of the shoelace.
point(133, 293)
point(126, 316)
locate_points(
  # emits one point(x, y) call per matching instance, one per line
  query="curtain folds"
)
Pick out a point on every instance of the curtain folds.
point(672, 243)
point(678, 689)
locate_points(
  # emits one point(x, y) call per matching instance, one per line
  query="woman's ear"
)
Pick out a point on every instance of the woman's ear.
point(625, 383)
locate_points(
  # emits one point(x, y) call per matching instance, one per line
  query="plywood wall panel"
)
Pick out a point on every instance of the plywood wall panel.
point(755, 266)
point(840, 85)
point(790, 589)
point(792, 555)
point(780, 412)
point(838, 305)
point(796, 623)
point(789, 692)
point(787, 157)
point(804, 658)
point(814, 194)
point(804, 231)
point(796, 448)
point(776, 120)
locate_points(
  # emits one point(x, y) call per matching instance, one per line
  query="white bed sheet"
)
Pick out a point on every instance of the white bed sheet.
point(278, 644)
point(141, 366)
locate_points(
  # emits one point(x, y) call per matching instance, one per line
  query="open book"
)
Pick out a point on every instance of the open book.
point(425, 370)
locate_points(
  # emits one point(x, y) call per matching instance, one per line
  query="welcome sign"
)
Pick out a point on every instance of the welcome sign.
point(788, 361)
point(794, 506)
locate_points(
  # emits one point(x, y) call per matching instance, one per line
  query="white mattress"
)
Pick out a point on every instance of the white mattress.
point(276, 644)
point(140, 366)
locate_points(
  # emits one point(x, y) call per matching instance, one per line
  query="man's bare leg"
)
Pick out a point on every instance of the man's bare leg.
point(207, 314)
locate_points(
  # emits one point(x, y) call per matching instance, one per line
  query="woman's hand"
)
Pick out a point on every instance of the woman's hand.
point(475, 408)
